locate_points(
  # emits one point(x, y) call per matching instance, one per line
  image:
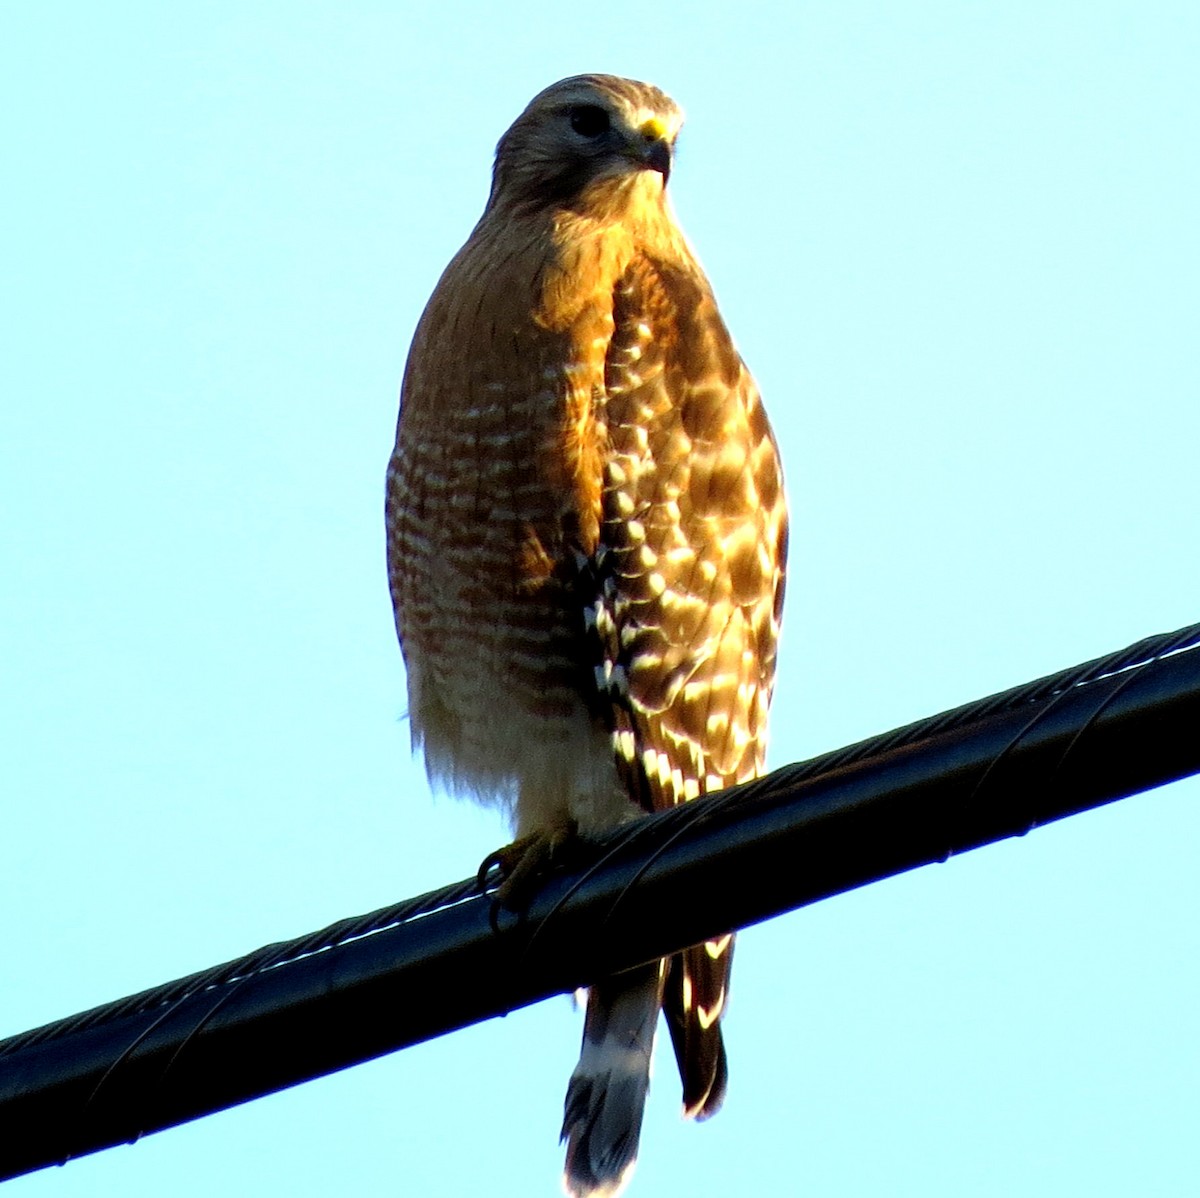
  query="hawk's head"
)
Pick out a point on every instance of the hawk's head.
point(588, 141)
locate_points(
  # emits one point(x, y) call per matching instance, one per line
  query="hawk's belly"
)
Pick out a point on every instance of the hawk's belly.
point(497, 701)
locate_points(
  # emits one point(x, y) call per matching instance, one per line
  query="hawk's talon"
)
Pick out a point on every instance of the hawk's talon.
point(521, 866)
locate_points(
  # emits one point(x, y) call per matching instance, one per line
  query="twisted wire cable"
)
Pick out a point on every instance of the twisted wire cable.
point(343, 931)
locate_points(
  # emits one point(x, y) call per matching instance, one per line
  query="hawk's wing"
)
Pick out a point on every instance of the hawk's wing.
point(692, 541)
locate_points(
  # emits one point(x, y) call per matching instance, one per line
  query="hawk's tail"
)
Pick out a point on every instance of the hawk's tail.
point(607, 1091)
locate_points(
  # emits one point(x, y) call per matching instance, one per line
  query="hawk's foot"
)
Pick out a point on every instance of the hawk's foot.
point(523, 864)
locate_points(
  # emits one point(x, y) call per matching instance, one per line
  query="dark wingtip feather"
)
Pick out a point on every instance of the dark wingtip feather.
point(699, 1049)
point(701, 1106)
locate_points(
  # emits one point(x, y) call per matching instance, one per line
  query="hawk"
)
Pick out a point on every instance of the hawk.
point(586, 539)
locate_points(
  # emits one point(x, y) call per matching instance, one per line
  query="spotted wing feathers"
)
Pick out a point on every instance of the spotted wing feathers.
point(687, 583)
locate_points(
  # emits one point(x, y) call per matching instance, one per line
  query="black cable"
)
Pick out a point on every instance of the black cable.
point(345, 930)
point(365, 986)
point(268, 957)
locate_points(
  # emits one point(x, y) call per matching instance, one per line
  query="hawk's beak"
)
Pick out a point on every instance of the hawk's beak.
point(658, 158)
point(656, 149)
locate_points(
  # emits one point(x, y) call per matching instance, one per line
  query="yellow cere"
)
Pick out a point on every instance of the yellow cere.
point(653, 129)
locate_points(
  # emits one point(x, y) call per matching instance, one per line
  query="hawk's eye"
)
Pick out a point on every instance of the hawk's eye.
point(589, 120)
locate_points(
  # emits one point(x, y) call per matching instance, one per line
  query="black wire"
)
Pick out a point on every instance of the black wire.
point(283, 952)
point(262, 959)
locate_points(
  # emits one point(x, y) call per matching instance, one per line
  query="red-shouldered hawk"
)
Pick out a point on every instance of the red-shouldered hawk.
point(586, 540)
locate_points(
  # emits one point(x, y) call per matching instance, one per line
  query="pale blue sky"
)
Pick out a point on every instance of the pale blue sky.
point(957, 244)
